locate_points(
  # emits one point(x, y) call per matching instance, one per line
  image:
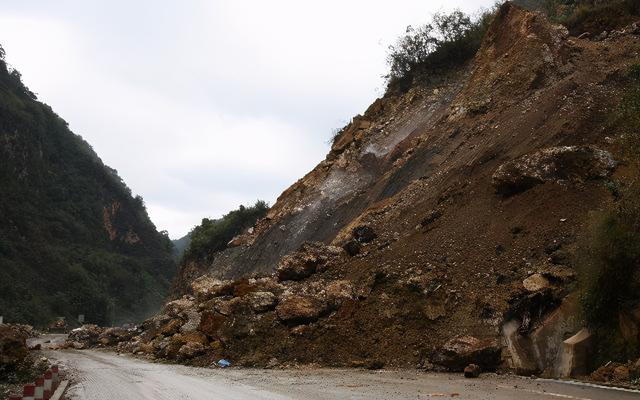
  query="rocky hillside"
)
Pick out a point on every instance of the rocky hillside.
point(73, 239)
point(441, 229)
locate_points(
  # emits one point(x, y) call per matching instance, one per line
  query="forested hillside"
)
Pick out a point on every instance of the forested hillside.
point(73, 239)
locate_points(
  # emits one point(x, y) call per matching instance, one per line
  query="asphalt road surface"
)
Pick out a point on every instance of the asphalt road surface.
point(98, 375)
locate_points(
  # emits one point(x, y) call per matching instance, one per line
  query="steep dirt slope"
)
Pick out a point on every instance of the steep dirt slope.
point(445, 200)
point(529, 87)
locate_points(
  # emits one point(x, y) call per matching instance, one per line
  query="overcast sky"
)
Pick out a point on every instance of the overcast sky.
point(205, 105)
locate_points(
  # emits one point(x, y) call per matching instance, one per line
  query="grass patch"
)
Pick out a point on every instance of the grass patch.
point(609, 268)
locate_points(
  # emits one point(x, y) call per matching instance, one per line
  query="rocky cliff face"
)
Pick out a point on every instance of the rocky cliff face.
point(73, 240)
point(456, 205)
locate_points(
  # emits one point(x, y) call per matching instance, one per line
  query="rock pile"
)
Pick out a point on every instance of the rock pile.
point(13, 345)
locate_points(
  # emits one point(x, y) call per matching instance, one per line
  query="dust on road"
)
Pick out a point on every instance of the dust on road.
point(101, 375)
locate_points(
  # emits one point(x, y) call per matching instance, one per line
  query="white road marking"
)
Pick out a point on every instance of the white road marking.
point(564, 396)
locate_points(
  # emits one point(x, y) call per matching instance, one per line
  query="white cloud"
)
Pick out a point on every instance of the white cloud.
point(203, 105)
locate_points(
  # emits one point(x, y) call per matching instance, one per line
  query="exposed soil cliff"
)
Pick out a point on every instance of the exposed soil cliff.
point(438, 215)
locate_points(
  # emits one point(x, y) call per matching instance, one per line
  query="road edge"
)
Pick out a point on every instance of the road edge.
point(588, 384)
point(57, 395)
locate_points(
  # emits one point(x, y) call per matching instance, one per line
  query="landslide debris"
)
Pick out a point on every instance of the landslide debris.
point(441, 216)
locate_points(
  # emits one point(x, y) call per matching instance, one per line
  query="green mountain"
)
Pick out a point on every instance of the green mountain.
point(73, 239)
point(180, 245)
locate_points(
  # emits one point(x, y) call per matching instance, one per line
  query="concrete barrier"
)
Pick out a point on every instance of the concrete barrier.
point(39, 393)
point(29, 392)
point(43, 388)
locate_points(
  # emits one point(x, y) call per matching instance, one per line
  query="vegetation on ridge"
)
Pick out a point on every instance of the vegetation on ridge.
point(591, 16)
point(448, 41)
point(213, 235)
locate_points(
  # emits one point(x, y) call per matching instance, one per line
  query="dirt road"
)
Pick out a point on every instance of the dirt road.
point(99, 375)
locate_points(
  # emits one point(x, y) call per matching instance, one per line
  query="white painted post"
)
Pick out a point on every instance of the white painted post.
point(38, 394)
point(81, 318)
point(1, 319)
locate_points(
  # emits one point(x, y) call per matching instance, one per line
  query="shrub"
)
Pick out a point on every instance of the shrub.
point(212, 236)
point(628, 114)
point(593, 16)
point(597, 16)
point(609, 255)
point(610, 262)
point(609, 271)
point(448, 41)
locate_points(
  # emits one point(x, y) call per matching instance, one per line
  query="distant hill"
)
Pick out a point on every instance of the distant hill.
point(180, 245)
point(73, 239)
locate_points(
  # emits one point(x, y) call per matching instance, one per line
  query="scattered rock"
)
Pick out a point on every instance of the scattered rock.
point(272, 363)
point(211, 323)
point(191, 350)
point(560, 257)
point(300, 309)
point(375, 364)
point(338, 292)
point(262, 301)
point(113, 336)
point(171, 327)
point(175, 308)
point(144, 348)
point(193, 320)
point(613, 372)
point(229, 307)
point(472, 371)
point(434, 310)
point(621, 373)
point(13, 345)
point(431, 218)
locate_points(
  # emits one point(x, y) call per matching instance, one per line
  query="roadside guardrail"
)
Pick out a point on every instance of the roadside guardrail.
point(49, 386)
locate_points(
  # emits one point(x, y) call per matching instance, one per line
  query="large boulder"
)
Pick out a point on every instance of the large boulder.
point(461, 351)
point(193, 320)
point(338, 292)
point(211, 323)
point(13, 345)
point(176, 308)
point(300, 309)
point(191, 350)
point(554, 164)
point(310, 258)
point(171, 327)
point(207, 287)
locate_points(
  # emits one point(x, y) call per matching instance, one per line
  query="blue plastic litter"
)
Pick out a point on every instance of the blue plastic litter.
point(224, 363)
